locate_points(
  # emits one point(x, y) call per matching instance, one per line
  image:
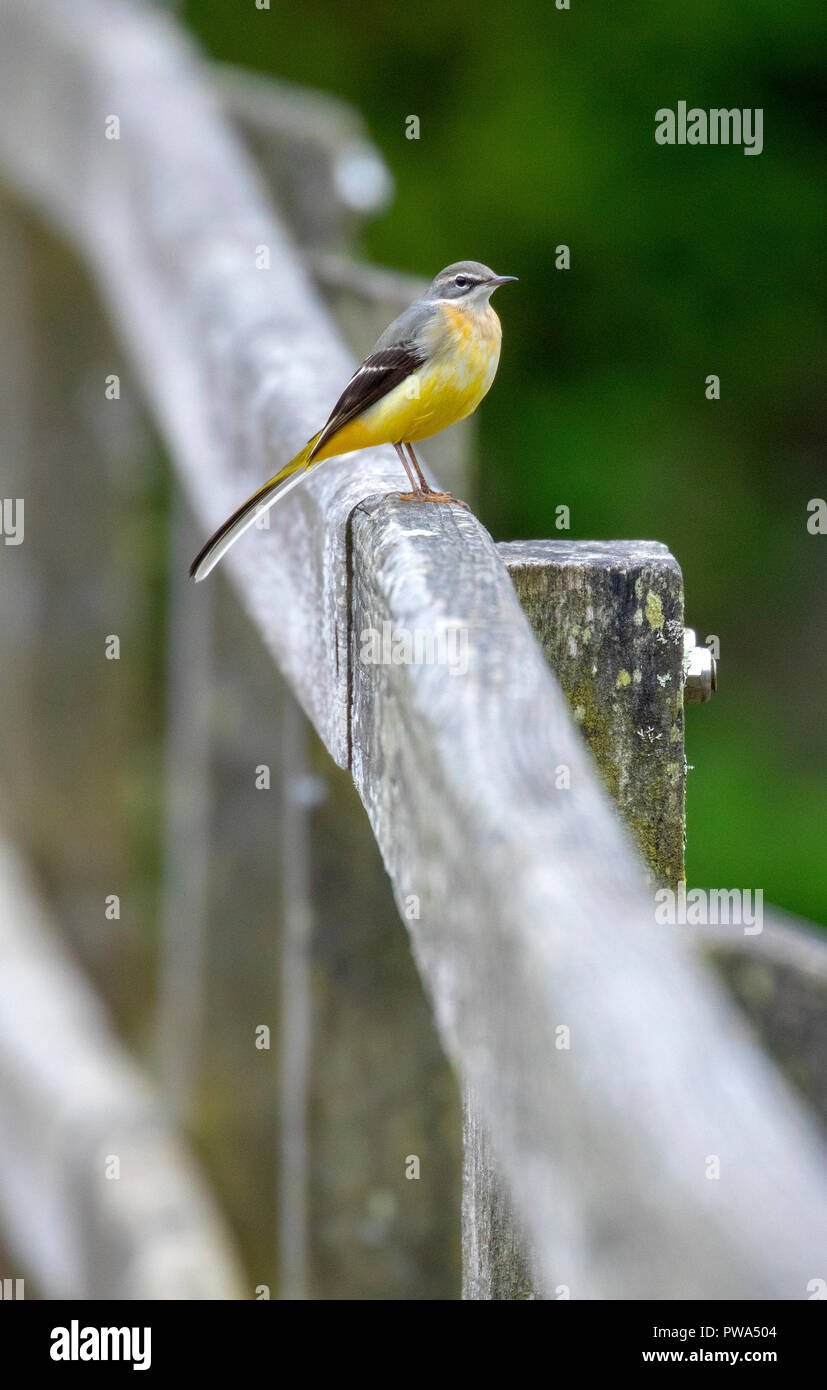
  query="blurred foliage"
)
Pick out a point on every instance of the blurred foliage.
point(537, 129)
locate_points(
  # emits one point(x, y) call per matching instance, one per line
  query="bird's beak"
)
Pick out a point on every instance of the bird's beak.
point(497, 280)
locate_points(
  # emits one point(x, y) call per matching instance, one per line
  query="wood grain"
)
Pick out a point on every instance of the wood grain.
point(534, 916)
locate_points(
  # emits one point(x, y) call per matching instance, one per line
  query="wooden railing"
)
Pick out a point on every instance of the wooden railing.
point(96, 1192)
point(601, 1062)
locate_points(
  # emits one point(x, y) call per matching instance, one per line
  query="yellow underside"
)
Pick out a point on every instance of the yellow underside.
point(440, 393)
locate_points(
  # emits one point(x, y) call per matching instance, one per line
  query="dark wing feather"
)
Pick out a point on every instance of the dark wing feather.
point(378, 374)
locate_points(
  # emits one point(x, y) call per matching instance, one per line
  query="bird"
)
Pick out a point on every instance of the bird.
point(431, 367)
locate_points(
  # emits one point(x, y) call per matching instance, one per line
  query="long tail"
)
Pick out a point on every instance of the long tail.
point(237, 524)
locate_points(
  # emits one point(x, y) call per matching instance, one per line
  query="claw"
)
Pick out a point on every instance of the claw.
point(444, 497)
point(425, 497)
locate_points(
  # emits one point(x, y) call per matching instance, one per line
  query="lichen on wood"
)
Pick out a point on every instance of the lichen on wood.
point(609, 617)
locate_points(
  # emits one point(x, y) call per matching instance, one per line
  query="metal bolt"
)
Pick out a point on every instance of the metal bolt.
point(700, 669)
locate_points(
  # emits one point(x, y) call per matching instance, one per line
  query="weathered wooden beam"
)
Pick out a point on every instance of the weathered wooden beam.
point(496, 1264)
point(609, 617)
point(350, 1224)
point(379, 1073)
point(185, 888)
point(779, 977)
point(98, 1197)
point(312, 148)
point(295, 1013)
point(576, 1021)
point(237, 356)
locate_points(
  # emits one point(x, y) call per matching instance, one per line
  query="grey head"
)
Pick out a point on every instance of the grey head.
point(468, 281)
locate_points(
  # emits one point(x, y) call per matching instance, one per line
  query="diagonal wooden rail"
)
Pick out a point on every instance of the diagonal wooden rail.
point(527, 907)
point(98, 1197)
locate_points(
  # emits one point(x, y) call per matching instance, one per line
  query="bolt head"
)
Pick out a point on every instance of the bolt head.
point(700, 670)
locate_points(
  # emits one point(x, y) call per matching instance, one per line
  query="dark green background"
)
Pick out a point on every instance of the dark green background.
point(537, 128)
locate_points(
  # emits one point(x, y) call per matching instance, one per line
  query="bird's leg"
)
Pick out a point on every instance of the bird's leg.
point(423, 486)
point(417, 494)
point(421, 491)
point(427, 493)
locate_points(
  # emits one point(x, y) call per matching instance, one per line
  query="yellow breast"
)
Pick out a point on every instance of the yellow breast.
point(464, 351)
point(472, 326)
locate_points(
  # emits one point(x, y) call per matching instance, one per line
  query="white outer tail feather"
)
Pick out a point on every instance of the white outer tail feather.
point(243, 524)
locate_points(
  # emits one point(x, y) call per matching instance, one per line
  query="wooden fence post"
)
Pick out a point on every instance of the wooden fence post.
point(609, 617)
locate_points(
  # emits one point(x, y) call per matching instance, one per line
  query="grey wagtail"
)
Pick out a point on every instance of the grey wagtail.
point(430, 368)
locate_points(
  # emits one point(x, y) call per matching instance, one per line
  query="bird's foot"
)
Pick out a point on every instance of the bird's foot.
point(430, 496)
point(426, 495)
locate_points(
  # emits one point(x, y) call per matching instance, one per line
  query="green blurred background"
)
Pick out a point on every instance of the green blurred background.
point(537, 129)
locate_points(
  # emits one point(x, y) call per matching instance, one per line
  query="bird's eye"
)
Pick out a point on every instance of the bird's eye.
point(462, 282)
